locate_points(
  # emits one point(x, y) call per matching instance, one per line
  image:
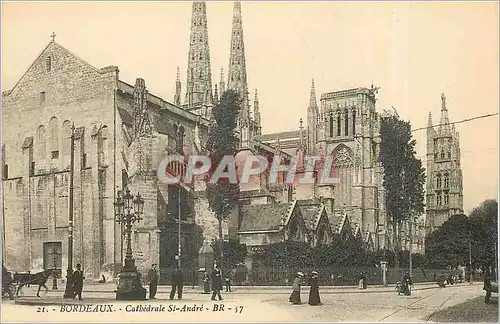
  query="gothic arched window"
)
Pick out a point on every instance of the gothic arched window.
point(442, 154)
point(438, 181)
point(346, 123)
point(338, 124)
point(54, 138)
point(66, 140)
point(41, 142)
point(200, 38)
point(180, 139)
point(331, 125)
point(439, 201)
point(446, 198)
point(446, 180)
point(49, 63)
point(354, 121)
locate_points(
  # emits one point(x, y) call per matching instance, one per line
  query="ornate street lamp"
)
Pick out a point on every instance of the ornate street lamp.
point(128, 210)
point(54, 254)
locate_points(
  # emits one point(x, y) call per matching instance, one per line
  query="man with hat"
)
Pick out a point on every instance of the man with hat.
point(297, 283)
point(153, 281)
point(78, 282)
point(216, 283)
point(314, 299)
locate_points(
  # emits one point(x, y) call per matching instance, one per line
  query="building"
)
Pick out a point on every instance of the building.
point(121, 134)
point(444, 189)
point(346, 126)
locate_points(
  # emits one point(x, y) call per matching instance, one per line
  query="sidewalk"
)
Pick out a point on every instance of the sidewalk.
point(110, 287)
point(54, 297)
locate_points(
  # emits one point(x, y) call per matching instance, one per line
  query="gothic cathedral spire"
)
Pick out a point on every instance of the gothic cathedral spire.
point(237, 77)
point(312, 119)
point(199, 75)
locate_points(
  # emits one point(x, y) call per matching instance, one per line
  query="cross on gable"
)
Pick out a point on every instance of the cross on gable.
point(53, 36)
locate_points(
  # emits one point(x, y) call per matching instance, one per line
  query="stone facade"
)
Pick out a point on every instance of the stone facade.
point(444, 190)
point(346, 127)
point(122, 133)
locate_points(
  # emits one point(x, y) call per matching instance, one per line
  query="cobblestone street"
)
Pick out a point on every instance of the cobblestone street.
point(254, 304)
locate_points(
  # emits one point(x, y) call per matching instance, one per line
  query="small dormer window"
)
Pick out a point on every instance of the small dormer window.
point(49, 64)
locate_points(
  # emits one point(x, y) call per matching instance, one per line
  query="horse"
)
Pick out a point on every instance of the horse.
point(26, 279)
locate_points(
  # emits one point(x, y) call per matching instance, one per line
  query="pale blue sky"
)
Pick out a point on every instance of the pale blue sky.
point(413, 51)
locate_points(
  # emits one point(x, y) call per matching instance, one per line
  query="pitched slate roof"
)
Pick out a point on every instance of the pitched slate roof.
point(337, 221)
point(263, 217)
point(310, 213)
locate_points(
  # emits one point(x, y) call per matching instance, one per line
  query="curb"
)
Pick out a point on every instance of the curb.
point(248, 289)
point(35, 302)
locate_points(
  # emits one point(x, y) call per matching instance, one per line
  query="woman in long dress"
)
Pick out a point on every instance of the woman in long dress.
point(297, 283)
point(314, 298)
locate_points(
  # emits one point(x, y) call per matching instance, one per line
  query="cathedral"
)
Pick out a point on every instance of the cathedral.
point(121, 134)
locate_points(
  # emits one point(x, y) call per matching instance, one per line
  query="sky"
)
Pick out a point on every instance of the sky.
point(412, 51)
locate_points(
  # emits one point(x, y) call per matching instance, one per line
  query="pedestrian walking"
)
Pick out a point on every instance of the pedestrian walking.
point(297, 283)
point(216, 283)
point(314, 299)
point(153, 281)
point(227, 280)
point(78, 278)
point(177, 283)
point(362, 280)
point(407, 283)
point(206, 283)
point(6, 283)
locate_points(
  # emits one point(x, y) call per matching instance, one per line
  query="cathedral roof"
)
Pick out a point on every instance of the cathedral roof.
point(263, 217)
point(281, 135)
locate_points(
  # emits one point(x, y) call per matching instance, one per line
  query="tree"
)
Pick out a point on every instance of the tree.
point(449, 244)
point(484, 235)
point(288, 254)
point(234, 252)
point(222, 141)
point(404, 175)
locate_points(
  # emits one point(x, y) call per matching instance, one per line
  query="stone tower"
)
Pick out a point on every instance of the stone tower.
point(444, 191)
point(199, 95)
point(237, 76)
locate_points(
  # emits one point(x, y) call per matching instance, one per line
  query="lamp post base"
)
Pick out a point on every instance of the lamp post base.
point(68, 291)
point(129, 286)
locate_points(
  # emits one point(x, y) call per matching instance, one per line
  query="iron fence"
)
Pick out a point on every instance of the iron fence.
point(268, 276)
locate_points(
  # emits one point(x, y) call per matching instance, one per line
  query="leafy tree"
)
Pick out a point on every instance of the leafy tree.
point(288, 254)
point(404, 175)
point(234, 252)
point(484, 225)
point(222, 141)
point(449, 244)
point(341, 253)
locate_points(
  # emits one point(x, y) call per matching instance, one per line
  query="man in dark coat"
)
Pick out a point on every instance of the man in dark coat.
point(216, 283)
point(314, 299)
point(78, 278)
point(177, 283)
point(153, 281)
